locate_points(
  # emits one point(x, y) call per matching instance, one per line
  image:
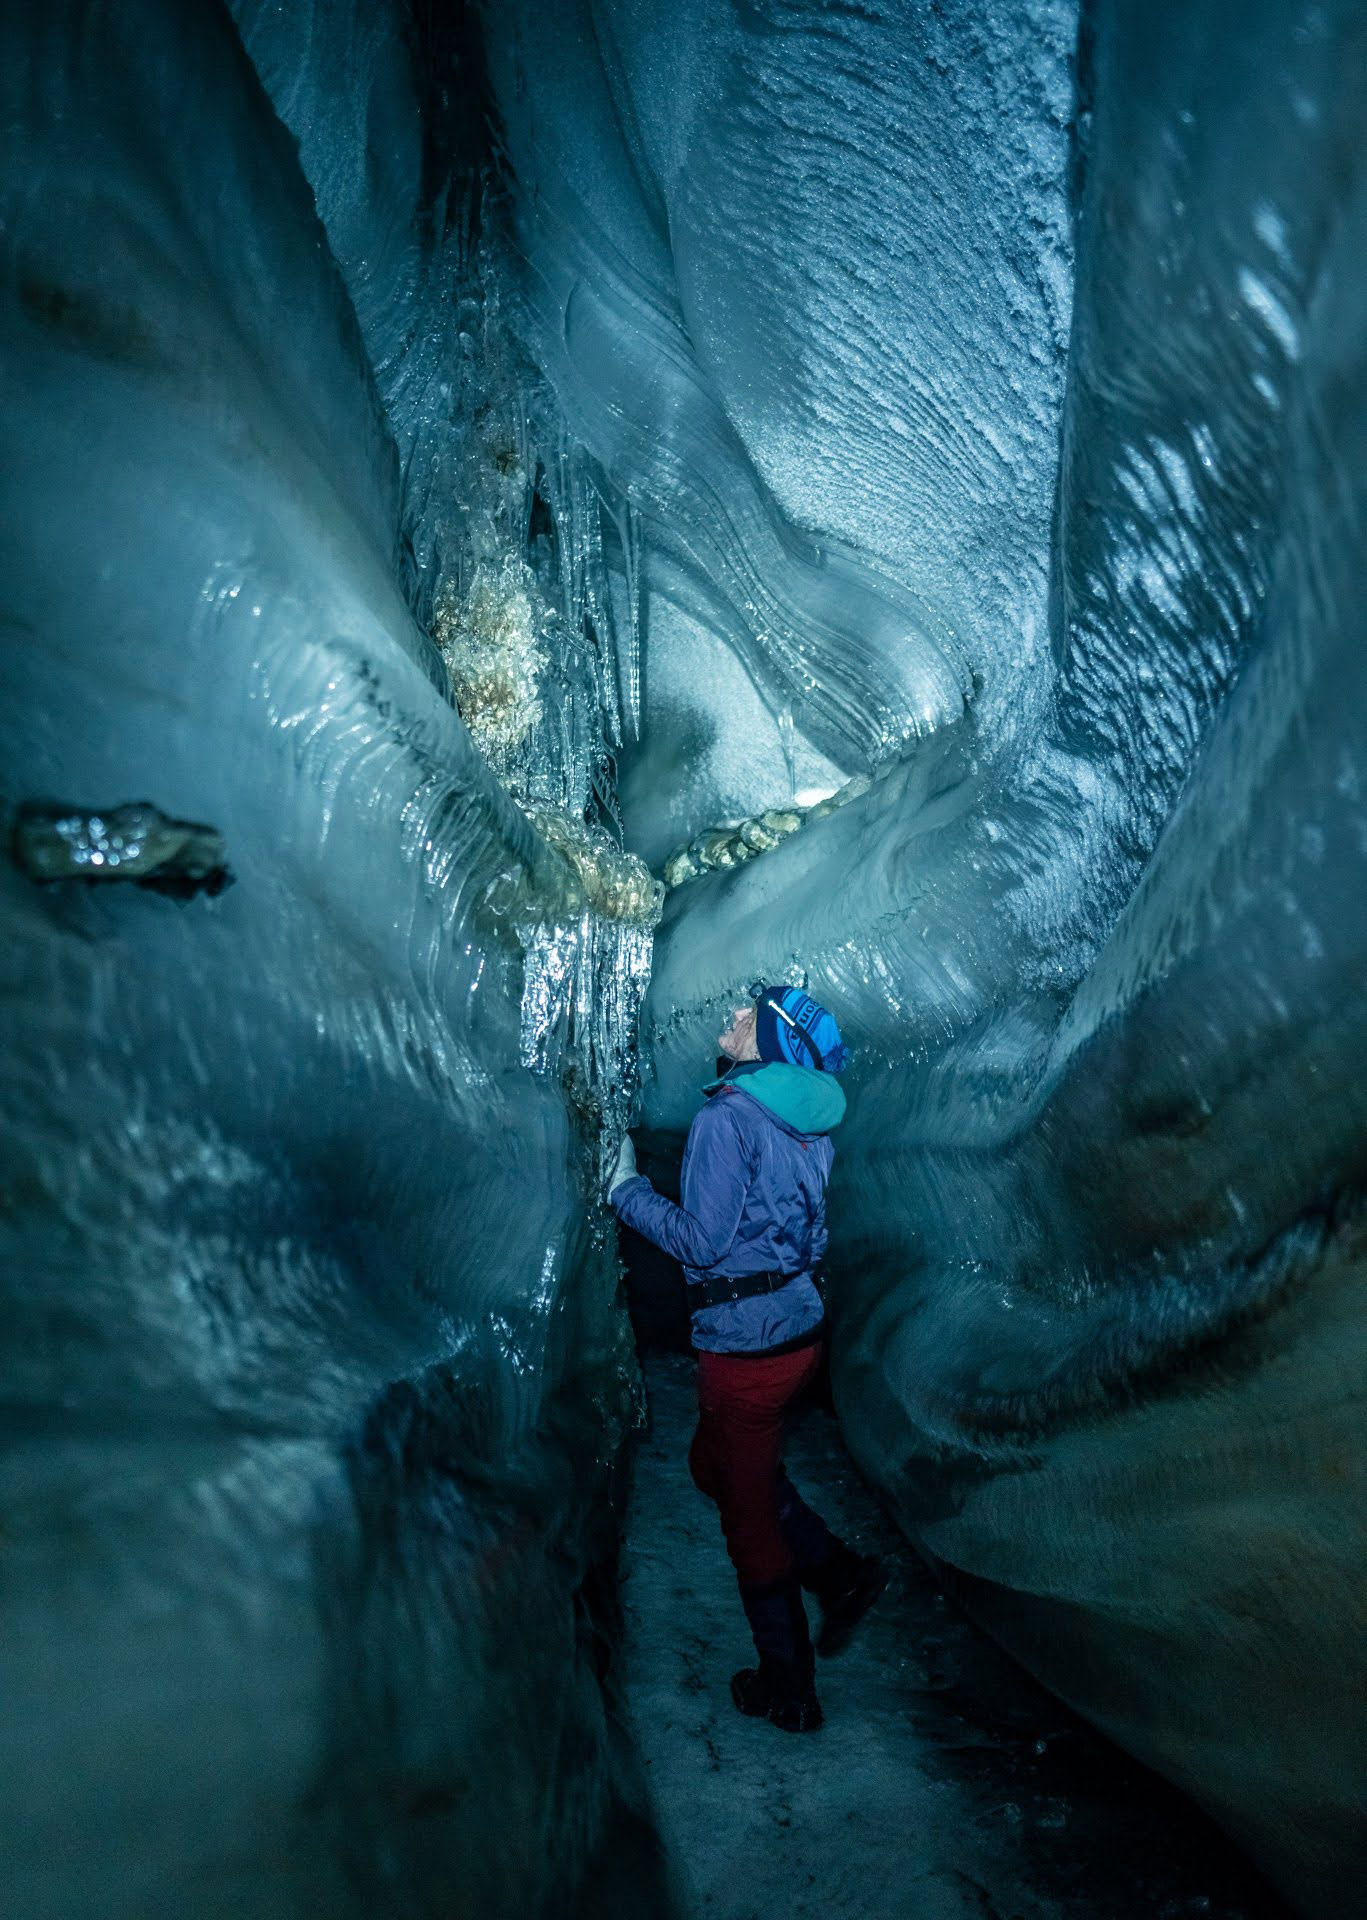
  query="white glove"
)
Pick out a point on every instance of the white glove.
point(626, 1165)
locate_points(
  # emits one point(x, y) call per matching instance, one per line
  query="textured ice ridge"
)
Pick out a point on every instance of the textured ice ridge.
point(1099, 944)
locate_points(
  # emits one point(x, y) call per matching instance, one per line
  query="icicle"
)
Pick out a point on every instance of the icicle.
point(584, 983)
point(786, 742)
point(628, 661)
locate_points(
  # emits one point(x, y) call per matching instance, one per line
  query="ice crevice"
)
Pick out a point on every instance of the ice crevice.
point(574, 508)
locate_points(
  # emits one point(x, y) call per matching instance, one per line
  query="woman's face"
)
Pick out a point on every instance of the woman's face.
point(738, 1042)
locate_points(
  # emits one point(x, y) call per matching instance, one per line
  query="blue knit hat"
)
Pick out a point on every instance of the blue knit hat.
point(792, 1027)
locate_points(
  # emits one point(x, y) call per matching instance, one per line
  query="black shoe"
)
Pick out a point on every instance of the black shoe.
point(785, 1696)
point(844, 1605)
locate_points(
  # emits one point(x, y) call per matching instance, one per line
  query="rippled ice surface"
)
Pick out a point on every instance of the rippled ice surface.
point(1057, 325)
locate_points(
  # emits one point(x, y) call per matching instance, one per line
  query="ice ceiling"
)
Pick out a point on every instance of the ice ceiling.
point(463, 457)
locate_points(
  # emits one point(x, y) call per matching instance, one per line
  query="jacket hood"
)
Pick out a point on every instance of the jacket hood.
point(803, 1099)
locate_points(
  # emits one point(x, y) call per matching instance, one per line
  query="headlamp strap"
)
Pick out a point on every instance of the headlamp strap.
point(801, 1032)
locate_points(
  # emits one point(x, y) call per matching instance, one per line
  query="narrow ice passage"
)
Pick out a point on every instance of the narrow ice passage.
point(517, 519)
point(936, 1753)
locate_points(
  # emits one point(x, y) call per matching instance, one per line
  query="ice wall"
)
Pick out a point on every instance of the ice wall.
point(314, 1380)
point(768, 407)
point(967, 400)
point(1097, 930)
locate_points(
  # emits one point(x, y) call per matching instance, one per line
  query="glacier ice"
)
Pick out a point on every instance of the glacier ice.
point(1097, 1207)
point(945, 424)
point(315, 1383)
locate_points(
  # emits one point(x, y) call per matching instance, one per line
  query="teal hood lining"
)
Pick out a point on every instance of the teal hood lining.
point(807, 1101)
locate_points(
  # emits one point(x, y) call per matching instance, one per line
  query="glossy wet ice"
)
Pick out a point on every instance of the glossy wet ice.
point(452, 455)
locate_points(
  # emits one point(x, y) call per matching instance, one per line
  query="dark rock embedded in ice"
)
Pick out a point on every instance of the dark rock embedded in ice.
point(136, 841)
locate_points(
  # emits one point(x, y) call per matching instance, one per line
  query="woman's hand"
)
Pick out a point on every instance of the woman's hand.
point(626, 1166)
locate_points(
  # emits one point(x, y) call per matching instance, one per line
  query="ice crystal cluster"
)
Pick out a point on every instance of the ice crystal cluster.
point(492, 649)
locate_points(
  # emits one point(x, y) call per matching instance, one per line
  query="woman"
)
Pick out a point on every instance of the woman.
point(750, 1233)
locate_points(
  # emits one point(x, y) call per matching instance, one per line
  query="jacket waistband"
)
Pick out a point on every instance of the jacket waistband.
point(742, 1356)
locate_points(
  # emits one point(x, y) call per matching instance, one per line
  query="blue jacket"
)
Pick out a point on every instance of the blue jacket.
point(754, 1200)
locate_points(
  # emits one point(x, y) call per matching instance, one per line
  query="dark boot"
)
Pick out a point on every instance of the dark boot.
point(782, 1688)
point(845, 1585)
point(767, 1693)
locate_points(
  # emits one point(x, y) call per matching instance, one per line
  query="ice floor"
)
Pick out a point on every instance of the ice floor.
point(944, 1785)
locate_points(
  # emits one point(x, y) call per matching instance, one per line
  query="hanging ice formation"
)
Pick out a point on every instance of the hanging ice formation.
point(899, 473)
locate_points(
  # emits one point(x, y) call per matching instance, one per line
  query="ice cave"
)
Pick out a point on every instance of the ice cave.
point(519, 518)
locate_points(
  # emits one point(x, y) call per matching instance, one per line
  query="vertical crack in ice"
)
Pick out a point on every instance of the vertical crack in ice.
point(542, 655)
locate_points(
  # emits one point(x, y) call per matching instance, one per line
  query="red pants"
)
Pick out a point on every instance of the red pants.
point(738, 1450)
